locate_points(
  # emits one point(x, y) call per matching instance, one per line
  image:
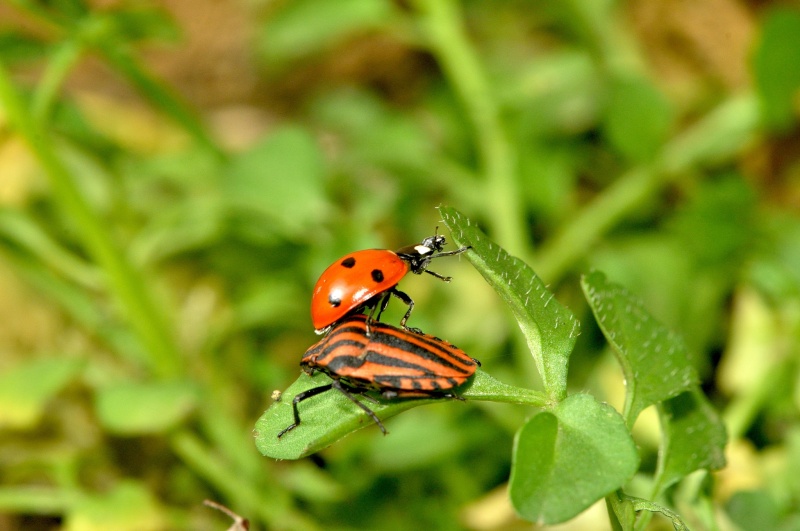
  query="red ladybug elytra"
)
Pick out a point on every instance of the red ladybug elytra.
point(368, 278)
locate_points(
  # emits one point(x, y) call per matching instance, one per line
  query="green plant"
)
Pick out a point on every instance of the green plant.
point(577, 450)
point(163, 219)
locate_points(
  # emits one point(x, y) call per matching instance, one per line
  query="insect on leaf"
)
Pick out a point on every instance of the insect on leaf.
point(329, 416)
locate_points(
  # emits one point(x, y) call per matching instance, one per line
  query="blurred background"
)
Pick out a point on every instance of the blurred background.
point(202, 162)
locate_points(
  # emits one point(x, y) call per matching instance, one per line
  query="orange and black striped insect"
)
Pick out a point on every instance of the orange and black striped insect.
point(397, 363)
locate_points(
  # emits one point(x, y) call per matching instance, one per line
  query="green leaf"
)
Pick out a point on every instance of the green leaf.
point(375, 134)
point(144, 408)
point(754, 510)
point(567, 459)
point(694, 437)
point(129, 506)
point(638, 118)
point(306, 27)
point(27, 387)
point(281, 179)
point(143, 22)
point(654, 360)
point(330, 416)
point(549, 328)
point(776, 65)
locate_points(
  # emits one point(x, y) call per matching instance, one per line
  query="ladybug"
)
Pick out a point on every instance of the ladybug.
point(398, 363)
point(367, 279)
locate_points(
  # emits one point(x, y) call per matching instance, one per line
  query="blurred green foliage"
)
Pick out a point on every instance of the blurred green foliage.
point(164, 215)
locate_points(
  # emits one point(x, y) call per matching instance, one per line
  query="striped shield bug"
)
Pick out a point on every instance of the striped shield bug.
point(395, 362)
point(369, 278)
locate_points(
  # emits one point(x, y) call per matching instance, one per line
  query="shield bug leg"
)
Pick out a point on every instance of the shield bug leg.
point(338, 385)
point(299, 397)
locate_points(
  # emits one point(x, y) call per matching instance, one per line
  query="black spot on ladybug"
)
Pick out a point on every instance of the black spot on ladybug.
point(377, 275)
point(334, 300)
point(348, 262)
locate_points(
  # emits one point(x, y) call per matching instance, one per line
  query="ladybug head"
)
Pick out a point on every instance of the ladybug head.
point(419, 256)
point(435, 243)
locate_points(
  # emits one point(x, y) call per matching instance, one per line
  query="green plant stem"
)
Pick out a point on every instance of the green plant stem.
point(61, 62)
point(24, 233)
point(98, 32)
point(525, 397)
point(718, 137)
point(158, 94)
point(441, 21)
point(126, 285)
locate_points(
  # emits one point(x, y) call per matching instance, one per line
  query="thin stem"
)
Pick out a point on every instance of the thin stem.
point(441, 21)
point(719, 136)
point(487, 388)
point(61, 63)
point(126, 285)
point(157, 93)
point(99, 33)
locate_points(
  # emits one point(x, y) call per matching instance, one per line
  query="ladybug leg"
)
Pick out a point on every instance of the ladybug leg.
point(336, 384)
point(437, 275)
point(439, 255)
point(299, 397)
point(406, 299)
point(450, 253)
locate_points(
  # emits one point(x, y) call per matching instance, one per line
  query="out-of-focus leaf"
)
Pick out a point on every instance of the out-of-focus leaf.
point(638, 118)
point(655, 360)
point(719, 222)
point(549, 328)
point(376, 134)
point(776, 65)
point(304, 27)
point(145, 22)
point(129, 506)
point(401, 452)
point(141, 408)
point(753, 510)
point(281, 179)
point(26, 389)
point(558, 94)
point(15, 46)
point(776, 269)
point(567, 459)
